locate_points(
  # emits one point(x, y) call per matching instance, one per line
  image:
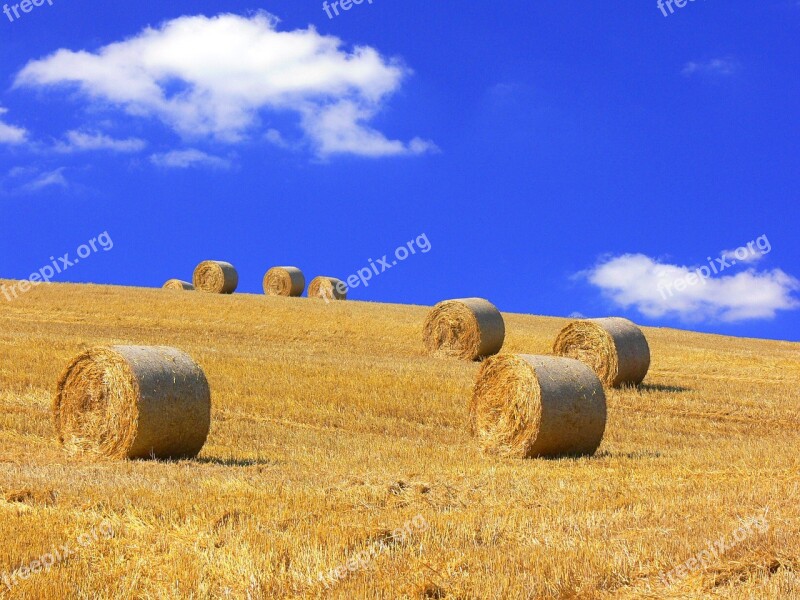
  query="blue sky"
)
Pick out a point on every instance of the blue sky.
point(560, 158)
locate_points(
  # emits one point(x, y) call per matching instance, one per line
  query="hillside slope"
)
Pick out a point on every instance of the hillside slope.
point(331, 429)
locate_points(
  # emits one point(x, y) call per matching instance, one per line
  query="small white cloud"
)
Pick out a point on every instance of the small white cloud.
point(741, 255)
point(183, 159)
point(9, 134)
point(576, 315)
point(21, 171)
point(503, 89)
point(714, 66)
point(47, 179)
point(341, 129)
point(636, 280)
point(80, 141)
point(273, 136)
point(214, 76)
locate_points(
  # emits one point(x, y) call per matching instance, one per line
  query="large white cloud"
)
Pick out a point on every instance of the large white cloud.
point(213, 76)
point(636, 280)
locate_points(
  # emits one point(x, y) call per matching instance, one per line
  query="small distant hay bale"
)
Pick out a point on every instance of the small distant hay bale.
point(467, 328)
point(132, 402)
point(284, 281)
point(216, 277)
point(327, 288)
point(615, 348)
point(537, 406)
point(178, 285)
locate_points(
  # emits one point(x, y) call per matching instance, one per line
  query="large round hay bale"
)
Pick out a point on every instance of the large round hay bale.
point(133, 402)
point(284, 281)
point(327, 288)
point(468, 328)
point(178, 285)
point(530, 406)
point(216, 277)
point(614, 348)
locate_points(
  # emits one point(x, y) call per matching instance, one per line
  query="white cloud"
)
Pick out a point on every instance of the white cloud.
point(183, 159)
point(738, 256)
point(9, 134)
point(714, 66)
point(213, 76)
point(273, 136)
point(21, 171)
point(341, 129)
point(636, 280)
point(80, 141)
point(47, 179)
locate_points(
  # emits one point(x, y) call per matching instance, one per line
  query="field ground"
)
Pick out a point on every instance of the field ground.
point(331, 429)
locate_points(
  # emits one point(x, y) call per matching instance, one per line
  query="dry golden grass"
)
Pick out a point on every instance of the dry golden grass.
point(331, 429)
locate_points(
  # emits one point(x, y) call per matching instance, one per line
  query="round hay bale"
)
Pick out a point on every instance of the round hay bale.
point(615, 348)
point(215, 277)
point(133, 402)
point(178, 285)
point(327, 288)
point(284, 281)
point(531, 406)
point(468, 328)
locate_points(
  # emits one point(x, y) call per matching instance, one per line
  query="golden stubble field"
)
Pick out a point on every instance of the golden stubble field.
point(331, 430)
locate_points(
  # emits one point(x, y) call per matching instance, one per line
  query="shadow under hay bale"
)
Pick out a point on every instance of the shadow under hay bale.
point(527, 406)
point(658, 387)
point(133, 402)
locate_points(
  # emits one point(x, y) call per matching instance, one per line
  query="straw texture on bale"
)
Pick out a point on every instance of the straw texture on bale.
point(133, 402)
point(284, 281)
point(216, 277)
point(327, 288)
point(615, 348)
point(537, 406)
point(177, 284)
point(468, 328)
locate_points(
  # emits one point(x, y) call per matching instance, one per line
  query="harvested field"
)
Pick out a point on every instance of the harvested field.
point(331, 428)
